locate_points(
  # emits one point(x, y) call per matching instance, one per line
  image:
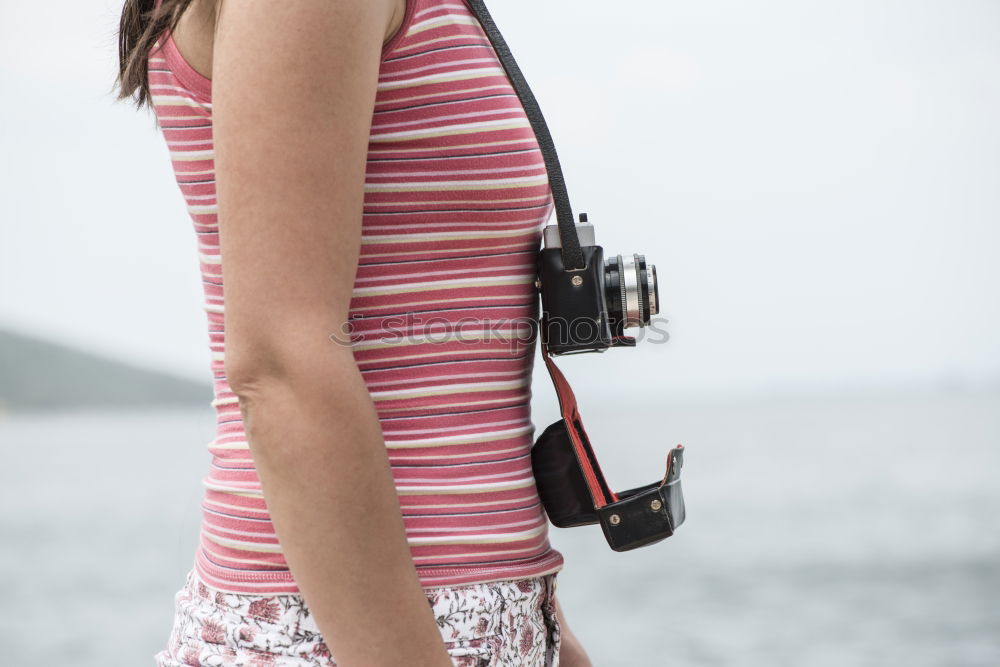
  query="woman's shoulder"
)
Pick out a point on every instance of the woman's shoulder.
point(194, 34)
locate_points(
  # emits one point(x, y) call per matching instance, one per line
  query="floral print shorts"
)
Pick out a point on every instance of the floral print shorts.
point(509, 623)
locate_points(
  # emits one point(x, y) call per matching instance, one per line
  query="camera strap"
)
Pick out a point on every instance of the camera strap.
point(572, 256)
point(577, 493)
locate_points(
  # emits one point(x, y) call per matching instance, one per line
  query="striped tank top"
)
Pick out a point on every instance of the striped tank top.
point(455, 197)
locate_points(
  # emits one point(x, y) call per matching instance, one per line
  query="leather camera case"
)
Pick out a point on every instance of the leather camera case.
point(638, 517)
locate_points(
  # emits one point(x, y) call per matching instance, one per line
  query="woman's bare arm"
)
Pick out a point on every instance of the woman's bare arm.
point(293, 93)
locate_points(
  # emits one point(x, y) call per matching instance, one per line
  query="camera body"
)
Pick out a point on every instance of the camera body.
point(588, 309)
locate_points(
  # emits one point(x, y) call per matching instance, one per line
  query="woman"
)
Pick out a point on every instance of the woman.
point(369, 175)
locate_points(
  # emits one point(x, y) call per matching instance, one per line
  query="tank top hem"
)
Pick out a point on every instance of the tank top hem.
point(272, 582)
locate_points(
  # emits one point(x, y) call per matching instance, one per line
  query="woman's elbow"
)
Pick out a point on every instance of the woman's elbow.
point(255, 368)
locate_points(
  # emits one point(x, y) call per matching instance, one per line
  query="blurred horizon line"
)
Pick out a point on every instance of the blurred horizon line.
point(775, 391)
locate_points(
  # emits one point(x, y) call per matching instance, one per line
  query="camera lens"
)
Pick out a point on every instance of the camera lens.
point(631, 292)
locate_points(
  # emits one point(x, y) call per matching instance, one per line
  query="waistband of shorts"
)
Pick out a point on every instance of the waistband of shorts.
point(286, 612)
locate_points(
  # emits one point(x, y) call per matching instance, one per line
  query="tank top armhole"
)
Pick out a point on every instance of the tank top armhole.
point(194, 81)
point(403, 29)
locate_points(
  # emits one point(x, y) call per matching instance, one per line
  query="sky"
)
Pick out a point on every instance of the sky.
point(816, 182)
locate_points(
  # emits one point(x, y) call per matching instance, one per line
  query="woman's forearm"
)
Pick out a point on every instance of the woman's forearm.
point(318, 448)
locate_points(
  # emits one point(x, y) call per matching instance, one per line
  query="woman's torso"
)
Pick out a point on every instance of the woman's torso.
point(456, 195)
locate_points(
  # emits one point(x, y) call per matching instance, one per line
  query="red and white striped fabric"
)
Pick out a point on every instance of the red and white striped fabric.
point(456, 195)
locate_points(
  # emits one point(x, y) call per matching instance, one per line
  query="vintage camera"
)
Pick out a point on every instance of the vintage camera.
point(588, 309)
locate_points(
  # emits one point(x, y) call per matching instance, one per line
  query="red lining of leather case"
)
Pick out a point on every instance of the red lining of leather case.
point(571, 415)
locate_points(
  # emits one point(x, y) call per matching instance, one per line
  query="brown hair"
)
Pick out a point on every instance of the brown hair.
point(141, 24)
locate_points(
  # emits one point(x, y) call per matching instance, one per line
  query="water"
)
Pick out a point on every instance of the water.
point(821, 531)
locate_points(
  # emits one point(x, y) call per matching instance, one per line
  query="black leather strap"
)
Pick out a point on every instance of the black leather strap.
point(571, 255)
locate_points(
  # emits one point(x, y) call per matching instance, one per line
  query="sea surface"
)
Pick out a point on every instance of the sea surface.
point(822, 530)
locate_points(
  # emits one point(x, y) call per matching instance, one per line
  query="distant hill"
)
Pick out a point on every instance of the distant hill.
point(40, 375)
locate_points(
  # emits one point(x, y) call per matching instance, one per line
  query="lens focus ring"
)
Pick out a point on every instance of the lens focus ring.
point(632, 304)
point(653, 290)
